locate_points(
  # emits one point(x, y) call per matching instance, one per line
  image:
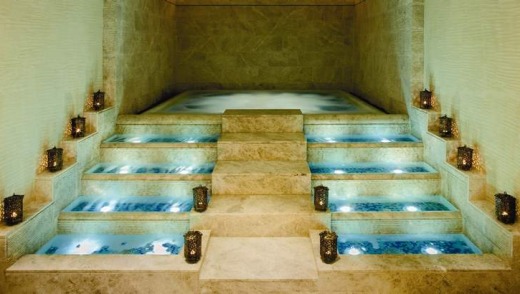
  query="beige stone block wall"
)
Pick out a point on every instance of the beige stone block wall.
point(139, 40)
point(389, 48)
point(50, 63)
point(264, 47)
point(472, 63)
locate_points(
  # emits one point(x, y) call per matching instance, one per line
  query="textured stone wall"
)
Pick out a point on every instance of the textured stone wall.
point(50, 63)
point(389, 48)
point(472, 63)
point(264, 47)
point(139, 41)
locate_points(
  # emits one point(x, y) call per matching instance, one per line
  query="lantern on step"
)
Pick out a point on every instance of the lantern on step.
point(98, 101)
point(328, 246)
point(78, 127)
point(13, 209)
point(464, 158)
point(445, 125)
point(321, 198)
point(192, 246)
point(200, 198)
point(425, 99)
point(505, 208)
point(54, 159)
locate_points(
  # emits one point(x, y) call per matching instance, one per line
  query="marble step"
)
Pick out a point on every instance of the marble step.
point(425, 222)
point(262, 121)
point(261, 177)
point(413, 185)
point(178, 124)
point(262, 146)
point(158, 152)
point(131, 223)
point(260, 216)
point(365, 152)
point(344, 124)
point(128, 186)
point(265, 265)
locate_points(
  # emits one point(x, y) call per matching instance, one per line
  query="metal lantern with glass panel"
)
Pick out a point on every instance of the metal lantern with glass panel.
point(13, 209)
point(78, 127)
point(445, 125)
point(54, 159)
point(200, 198)
point(328, 246)
point(464, 158)
point(98, 102)
point(192, 246)
point(425, 99)
point(505, 208)
point(321, 198)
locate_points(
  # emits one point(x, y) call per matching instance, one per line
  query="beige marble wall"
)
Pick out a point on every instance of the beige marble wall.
point(389, 52)
point(138, 52)
point(264, 47)
point(472, 63)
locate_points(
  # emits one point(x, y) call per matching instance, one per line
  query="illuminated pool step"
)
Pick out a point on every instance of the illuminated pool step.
point(371, 168)
point(390, 204)
point(347, 125)
point(169, 125)
point(363, 138)
point(159, 153)
point(430, 244)
point(161, 138)
point(85, 244)
point(364, 152)
point(124, 169)
point(130, 204)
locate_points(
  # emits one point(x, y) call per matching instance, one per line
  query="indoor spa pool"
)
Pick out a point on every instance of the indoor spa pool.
point(370, 168)
point(309, 102)
point(130, 204)
point(390, 138)
point(113, 168)
point(353, 244)
point(83, 244)
point(157, 138)
point(393, 204)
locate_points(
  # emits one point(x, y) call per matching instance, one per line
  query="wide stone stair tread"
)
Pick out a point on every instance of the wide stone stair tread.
point(262, 120)
point(262, 264)
point(259, 204)
point(266, 138)
point(275, 168)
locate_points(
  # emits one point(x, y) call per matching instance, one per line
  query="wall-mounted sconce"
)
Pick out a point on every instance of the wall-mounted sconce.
point(78, 127)
point(505, 208)
point(321, 198)
point(13, 209)
point(98, 102)
point(328, 246)
point(425, 99)
point(445, 125)
point(200, 198)
point(464, 158)
point(192, 246)
point(54, 159)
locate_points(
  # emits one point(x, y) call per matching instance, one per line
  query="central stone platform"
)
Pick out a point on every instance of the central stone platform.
point(245, 265)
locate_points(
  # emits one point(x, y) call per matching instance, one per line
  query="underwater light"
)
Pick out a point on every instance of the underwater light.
point(384, 140)
point(354, 251)
point(398, 171)
point(158, 248)
point(431, 250)
point(175, 208)
point(330, 140)
point(339, 171)
point(124, 169)
point(345, 208)
point(86, 247)
point(411, 208)
point(106, 209)
point(191, 141)
point(135, 140)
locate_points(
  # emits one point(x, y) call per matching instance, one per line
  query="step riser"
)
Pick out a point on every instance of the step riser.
point(159, 155)
point(129, 227)
point(418, 187)
point(250, 151)
point(262, 123)
point(261, 184)
point(140, 188)
point(338, 130)
point(397, 226)
point(169, 129)
point(270, 286)
point(348, 155)
point(260, 225)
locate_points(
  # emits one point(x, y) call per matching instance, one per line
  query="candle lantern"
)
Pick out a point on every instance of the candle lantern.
point(321, 198)
point(425, 99)
point(13, 209)
point(445, 124)
point(192, 246)
point(54, 159)
point(328, 246)
point(200, 198)
point(464, 158)
point(78, 127)
point(98, 102)
point(505, 208)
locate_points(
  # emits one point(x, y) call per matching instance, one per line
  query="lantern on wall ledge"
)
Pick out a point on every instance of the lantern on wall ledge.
point(200, 198)
point(505, 208)
point(78, 127)
point(425, 99)
point(54, 159)
point(445, 125)
point(328, 246)
point(321, 198)
point(464, 158)
point(13, 209)
point(192, 246)
point(98, 102)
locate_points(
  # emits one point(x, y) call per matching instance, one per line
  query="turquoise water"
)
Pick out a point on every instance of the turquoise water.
point(362, 138)
point(155, 138)
point(116, 168)
point(130, 204)
point(370, 167)
point(382, 204)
